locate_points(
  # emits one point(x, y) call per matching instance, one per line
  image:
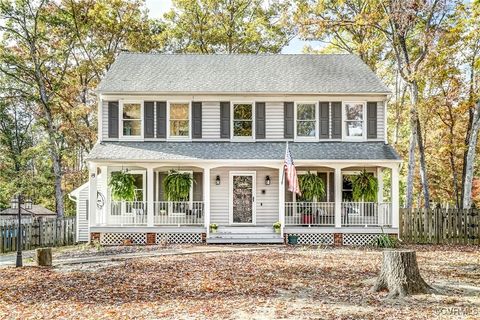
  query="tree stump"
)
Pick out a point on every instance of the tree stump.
point(400, 274)
point(43, 257)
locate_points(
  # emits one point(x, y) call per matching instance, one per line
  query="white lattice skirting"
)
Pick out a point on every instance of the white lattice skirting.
point(315, 238)
point(112, 239)
point(178, 238)
point(363, 239)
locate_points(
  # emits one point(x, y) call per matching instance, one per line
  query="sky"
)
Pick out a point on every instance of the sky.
point(158, 7)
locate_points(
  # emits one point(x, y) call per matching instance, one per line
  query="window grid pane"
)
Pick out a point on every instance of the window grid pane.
point(242, 120)
point(132, 111)
point(179, 120)
point(132, 127)
point(306, 121)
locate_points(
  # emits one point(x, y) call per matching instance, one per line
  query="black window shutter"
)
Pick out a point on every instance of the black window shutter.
point(371, 120)
point(288, 116)
point(260, 120)
point(196, 120)
point(225, 120)
point(161, 119)
point(113, 119)
point(336, 120)
point(324, 120)
point(149, 119)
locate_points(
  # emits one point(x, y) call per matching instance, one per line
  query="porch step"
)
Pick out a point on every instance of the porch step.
point(245, 234)
point(245, 229)
point(243, 240)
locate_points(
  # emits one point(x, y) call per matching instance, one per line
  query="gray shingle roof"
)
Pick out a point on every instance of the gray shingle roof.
point(267, 73)
point(242, 150)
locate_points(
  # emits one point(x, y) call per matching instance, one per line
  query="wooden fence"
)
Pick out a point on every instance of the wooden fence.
point(440, 226)
point(39, 233)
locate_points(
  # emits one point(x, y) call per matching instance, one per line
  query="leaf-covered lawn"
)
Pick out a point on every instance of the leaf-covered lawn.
point(299, 283)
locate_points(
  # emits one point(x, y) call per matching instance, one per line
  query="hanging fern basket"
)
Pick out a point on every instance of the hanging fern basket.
point(365, 187)
point(311, 187)
point(122, 186)
point(177, 185)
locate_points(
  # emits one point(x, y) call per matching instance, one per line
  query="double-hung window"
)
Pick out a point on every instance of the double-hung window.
point(242, 120)
point(131, 119)
point(354, 120)
point(306, 120)
point(179, 120)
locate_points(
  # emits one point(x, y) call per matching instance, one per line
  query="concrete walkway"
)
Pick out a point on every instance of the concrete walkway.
point(9, 260)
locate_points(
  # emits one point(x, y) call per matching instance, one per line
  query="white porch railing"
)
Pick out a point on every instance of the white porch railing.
point(310, 213)
point(366, 214)
point(178, 213)
point(128, 213)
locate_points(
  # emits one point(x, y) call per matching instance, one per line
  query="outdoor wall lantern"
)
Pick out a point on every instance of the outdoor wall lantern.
point(267, 180)
point(217, 180)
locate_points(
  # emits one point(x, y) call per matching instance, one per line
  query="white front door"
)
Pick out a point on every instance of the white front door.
point(242, 197)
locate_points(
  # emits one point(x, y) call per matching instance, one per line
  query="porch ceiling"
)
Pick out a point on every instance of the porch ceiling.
point(156, 150)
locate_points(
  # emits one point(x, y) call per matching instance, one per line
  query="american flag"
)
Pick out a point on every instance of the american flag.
point(291, 173)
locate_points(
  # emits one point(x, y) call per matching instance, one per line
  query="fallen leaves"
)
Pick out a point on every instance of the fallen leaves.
point(299, 283)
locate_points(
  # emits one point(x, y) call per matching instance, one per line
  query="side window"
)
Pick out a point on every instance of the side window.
point(243, 120)
point(132, 120)
point(179, 120)
point(306, 120)
point(354, 120)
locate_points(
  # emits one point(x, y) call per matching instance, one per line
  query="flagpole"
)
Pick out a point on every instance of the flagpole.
point(283, 175)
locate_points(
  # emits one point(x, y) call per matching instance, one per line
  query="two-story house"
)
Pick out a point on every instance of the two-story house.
point(226, 120)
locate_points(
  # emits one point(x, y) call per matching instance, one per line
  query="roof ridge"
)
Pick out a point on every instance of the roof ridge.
point(235, 54)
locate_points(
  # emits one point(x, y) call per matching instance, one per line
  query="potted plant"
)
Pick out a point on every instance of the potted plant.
point(312, 188)
point(365, 187)
point(293, 239)
point(122, 186)
point(277, 226)
point(213, 227)
point(177, 185)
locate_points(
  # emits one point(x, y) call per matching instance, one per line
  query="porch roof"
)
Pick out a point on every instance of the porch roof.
point(156, 150)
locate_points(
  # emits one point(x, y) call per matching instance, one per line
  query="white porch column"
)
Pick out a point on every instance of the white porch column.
point(281, 199)
point(103, 182)
point(395, 196)
point(380, 185)
point(150, 196)
point(206, 199)
point(338, 197)
point(380, 207)
point(92, 195)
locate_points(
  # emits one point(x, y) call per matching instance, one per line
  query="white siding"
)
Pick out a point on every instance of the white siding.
point(104, 119)
point(82, 221)
point(380, 121)
point(211, 120)
point(266, 205)
point(274, 120)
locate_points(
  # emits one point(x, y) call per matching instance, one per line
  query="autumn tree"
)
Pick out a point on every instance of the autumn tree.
point(226, 26)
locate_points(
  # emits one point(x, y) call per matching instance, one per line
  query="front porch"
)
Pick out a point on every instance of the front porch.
point(239, 197)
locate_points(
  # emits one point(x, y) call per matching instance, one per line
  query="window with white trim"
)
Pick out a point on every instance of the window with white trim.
point(179, 120)
point(132, 119)
point(243, 120)
point(354, 119)
point(306, 120)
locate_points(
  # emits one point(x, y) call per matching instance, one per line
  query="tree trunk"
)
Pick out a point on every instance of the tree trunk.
point(416, 139)
point(470, 159)
point(43, 257)
point(400, 274)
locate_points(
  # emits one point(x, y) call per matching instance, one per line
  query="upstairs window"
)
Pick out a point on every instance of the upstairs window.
point(132, 120)
point(306, 120)
point(243, 120)
point(179, 120)
point(354, 119)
